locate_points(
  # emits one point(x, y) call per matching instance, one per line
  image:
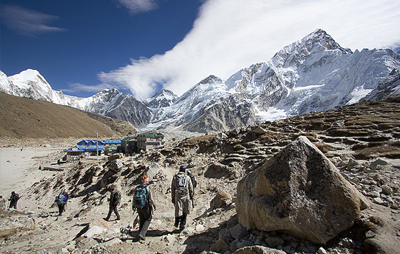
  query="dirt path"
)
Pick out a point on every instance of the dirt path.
point(19, 167)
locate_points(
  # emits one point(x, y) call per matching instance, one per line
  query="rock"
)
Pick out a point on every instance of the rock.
point(220, 246)
point(62, 251)
point(238, 147)
point(199, 228)
point(299, 191)
point(238, 232)
point(321, 250)
point(115, 157)
point(259, 130)
point(220, 136)
point(244, 243)
point(218, 170)
point(153, 170)
point(97, 226)
point(115, 165)
point(352, 164)
point(258, 250)
point(95, 230)
point(170, 238)
point(225, 235)
point(17, 222)
point(112, 242)
point(86, 243)
point(379, 162)
point(387, 190)
point(379, 201)
point(274, 241)
point(221, 200)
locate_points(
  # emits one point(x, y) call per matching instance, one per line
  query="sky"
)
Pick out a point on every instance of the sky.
point(142, 46)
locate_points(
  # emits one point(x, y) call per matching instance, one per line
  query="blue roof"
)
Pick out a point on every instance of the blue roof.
point(91, 145)
point(112, 142)
point(74, 149)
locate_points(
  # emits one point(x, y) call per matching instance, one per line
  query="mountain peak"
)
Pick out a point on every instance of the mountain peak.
point(323, 38)
point(163, 98)
point(297, 52)
point(210, 79)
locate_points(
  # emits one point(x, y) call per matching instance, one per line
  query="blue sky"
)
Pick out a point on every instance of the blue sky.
point(140, 46)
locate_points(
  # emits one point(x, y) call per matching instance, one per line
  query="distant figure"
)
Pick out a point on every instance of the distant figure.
point(61, 201)
point(2, 203)
point(115, 199)
point(13, 200)
point(143, 202)
point(194, 183)
point(193, 178)
point(182, 196)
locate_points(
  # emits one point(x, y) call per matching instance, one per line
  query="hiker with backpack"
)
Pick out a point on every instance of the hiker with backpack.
point(61, 201)
point(143, 202)
point(115, 199)
point(182, 197)
point(13, 200)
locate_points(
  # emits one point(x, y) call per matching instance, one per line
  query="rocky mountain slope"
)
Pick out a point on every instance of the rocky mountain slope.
point(26, 118)
point(310, 75)
point(361, 140)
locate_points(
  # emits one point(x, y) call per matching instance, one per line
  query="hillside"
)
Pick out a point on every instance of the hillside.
point(26, 118)
point(361, 141)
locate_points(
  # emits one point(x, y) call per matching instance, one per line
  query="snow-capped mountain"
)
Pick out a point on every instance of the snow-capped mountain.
point(163, 98)
point(313, 74)
point(30, 84)
point(110, 102)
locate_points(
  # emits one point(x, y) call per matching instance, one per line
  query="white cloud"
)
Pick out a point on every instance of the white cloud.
point(137, 6)
point(78, 87)
point(27, 22)
point(233, 34)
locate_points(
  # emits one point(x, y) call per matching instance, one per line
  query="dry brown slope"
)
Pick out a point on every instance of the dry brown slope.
point(27, 118)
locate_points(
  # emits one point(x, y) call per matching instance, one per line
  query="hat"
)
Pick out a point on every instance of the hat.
point(182, 169)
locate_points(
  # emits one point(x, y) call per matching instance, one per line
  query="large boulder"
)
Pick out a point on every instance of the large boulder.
point(299, 192)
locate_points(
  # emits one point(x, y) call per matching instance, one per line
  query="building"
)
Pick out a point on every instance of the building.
point(74, 154)
point(129, 145)
point(149, 141)
point(141, 142)
point(112, 146)
point(91, 146)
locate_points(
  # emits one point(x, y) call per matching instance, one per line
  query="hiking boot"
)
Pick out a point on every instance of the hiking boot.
point(141, 238)
point(105, 219)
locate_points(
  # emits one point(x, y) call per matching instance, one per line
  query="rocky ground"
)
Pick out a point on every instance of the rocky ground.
point(362, 141)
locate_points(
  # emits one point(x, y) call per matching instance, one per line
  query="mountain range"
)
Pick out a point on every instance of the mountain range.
point(310, 75)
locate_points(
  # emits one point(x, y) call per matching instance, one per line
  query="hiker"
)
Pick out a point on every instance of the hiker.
point(143, 202)
point(13, 200)
point(2, 203)
point(115, 199)
point(61, 201)
point(182, 196)
point(193, 178)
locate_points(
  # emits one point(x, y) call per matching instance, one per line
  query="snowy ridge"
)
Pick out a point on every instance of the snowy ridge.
point(312, 74)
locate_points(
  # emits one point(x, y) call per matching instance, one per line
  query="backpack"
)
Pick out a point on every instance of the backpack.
point(61, 199)
point(117, 198)
point(140, 197)
point(194, 181)
point(16, 196)
point(181, 184)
